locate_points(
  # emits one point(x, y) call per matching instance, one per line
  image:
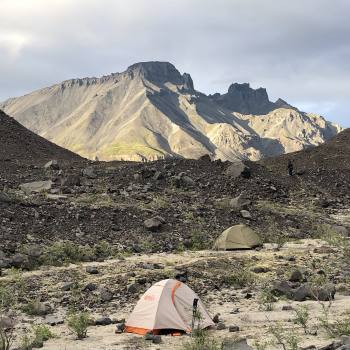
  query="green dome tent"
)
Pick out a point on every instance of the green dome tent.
point(237, 237)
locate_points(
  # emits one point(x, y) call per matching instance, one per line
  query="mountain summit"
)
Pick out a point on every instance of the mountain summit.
point(152, 111)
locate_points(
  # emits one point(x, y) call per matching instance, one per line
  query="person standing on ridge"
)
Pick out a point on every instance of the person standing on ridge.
point(290, 167)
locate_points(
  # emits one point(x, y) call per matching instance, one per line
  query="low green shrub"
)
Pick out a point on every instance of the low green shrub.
point(302, 316)
point(240, 278)
point(39, 335)
point(78, 323)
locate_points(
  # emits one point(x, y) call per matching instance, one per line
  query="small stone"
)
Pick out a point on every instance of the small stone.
point(260, 269)
point(90, 287)
point(106, 295)
point(103, 321)
point(36, 186)
point(133, 288)
point(216, 318)
point(53, 320)
point(157, 339)
point(220, 326)
point(296, 276)
point(52, 164)
point(246, 214)
point(92, 270)
point(287, 308)
point(154, 224)
point(233, 329)
point(67, 286)
point(149, 336)
point(120, 328)
point(89, 172)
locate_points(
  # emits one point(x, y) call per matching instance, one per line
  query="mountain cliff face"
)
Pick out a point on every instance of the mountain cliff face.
point(151, 111)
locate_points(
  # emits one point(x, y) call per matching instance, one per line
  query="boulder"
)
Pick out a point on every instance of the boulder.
point(92, 270)
point(103, 321)
point(183, 180)
point(246, 214)
point(105, 295)
point(240, 202)
point(20, 261)
point(53, 320)
point(220, 326)
point(89, 172)
point(120, 328)
point(234, 344)
point(36, 186)
point(67, 286)
point(154, 224)
point(238, 169)
point(71, 180)
point(52, 165)
point(233, 329)
point(341, 230)
point(90, 287)
point(157, 339)
point(6, 322)
point(321, 293)
point(296, 276)
point(282, 288)
point(133, 288)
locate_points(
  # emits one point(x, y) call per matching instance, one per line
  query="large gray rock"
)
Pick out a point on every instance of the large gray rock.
point(240, 202)
point(52, 165)
point(6, 322)
point(36, 186)
point(89, 172)
point(71, 180)
point(238, 169)
point(154, 224)
point(20, 261)
point(322, 293)
point(234, 344)
point(282, 288)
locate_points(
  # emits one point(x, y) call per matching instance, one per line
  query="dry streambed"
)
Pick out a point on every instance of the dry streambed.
point(235, 285)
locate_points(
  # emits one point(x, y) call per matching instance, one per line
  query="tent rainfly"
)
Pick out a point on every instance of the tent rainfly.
point(237, 237)
point(166, 306)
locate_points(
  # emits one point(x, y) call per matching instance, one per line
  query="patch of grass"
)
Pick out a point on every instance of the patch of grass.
point(199, 240)
point(241, 278)
point(331, 236)
point(337, 327)
point(7, 337)
point(97, 200)
point(287, 339)
point(302, 317)
point(40, 334)
point(158, 202)
point(202, 341)
point(66, 252)
point(266, 299)
point(7, 298)
point(78, 323)
point(34, 308)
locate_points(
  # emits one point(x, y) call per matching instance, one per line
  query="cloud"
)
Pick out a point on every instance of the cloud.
point(299, 50)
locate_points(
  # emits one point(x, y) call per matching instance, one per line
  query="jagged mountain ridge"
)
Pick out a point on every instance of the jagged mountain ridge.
point(151, 111)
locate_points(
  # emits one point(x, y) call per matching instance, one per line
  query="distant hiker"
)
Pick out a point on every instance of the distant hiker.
point(290, 168)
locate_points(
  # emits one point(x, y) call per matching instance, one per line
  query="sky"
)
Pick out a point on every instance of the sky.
point(298, 50)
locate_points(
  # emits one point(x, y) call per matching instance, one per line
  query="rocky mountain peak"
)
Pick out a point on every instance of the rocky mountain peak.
point(244, 99)
point(157, 72)
point(160, 73)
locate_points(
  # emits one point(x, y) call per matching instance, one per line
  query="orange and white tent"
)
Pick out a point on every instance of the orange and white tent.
point(167, 305)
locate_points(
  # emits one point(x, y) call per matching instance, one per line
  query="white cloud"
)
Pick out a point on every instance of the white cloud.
point(299, 50)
